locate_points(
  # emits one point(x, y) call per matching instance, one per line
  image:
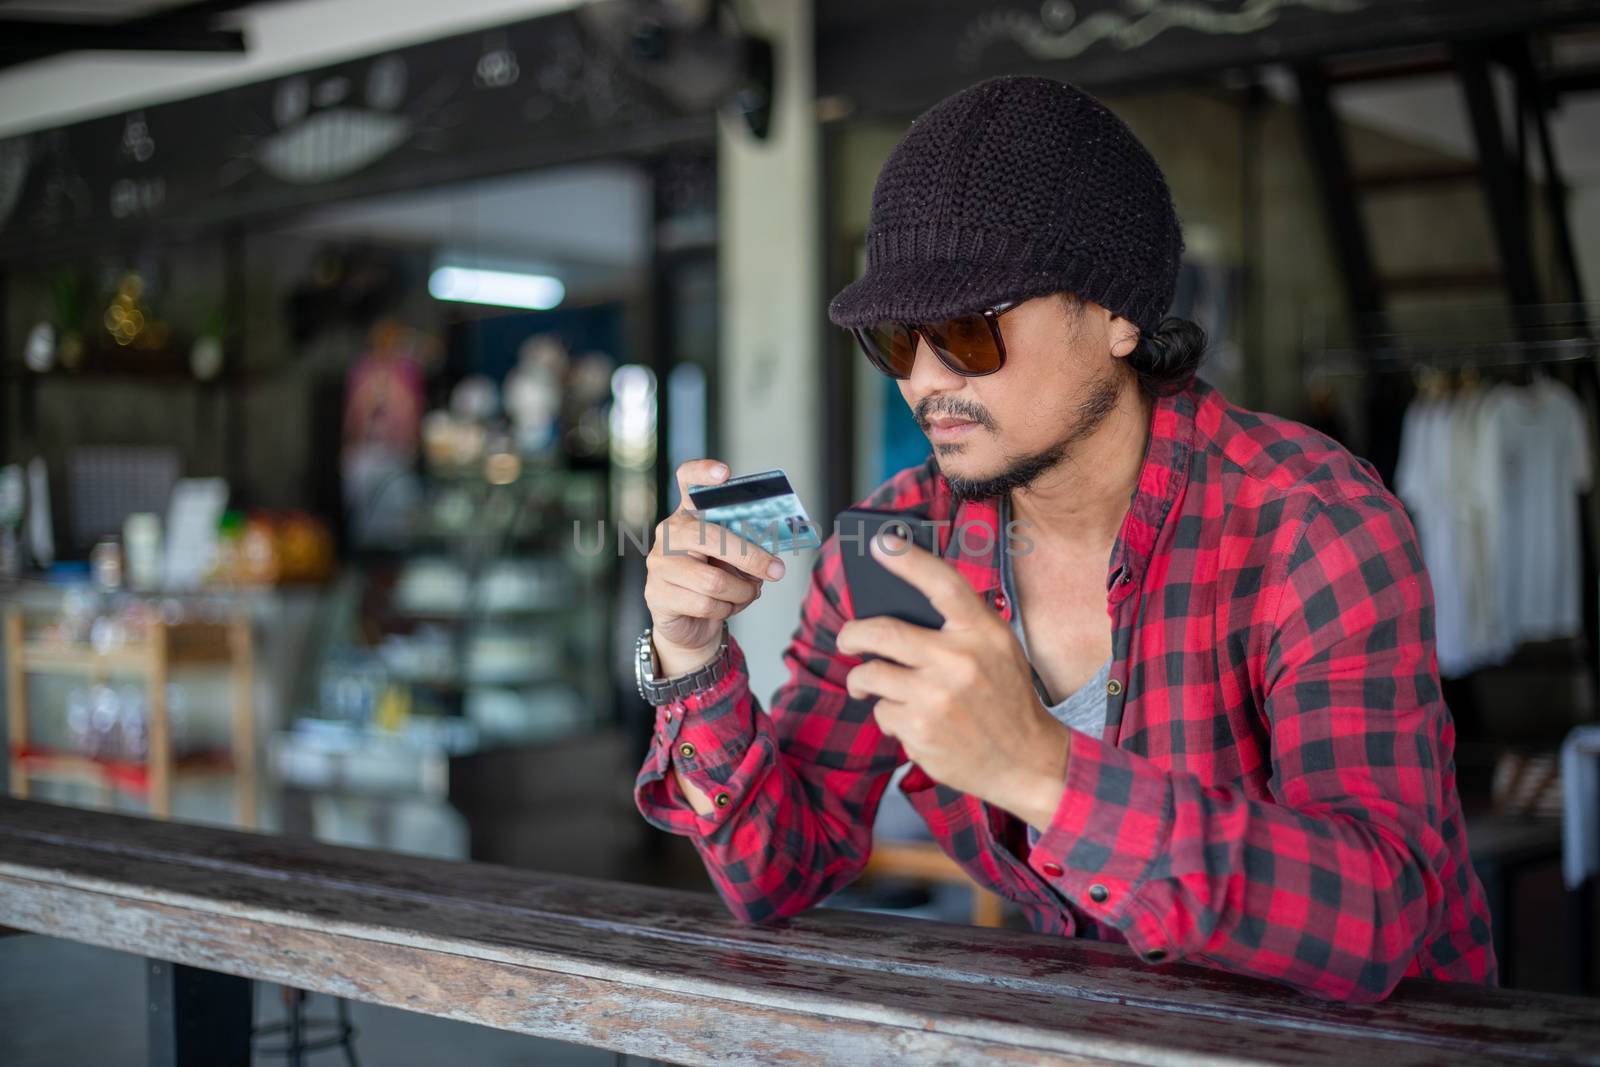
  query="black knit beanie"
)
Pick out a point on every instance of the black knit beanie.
point(1015, 188)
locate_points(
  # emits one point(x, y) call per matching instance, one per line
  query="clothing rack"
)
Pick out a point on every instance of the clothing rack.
point(1370, 382)
point(1410, 343)
point(1483, 336)
point(1356, 363)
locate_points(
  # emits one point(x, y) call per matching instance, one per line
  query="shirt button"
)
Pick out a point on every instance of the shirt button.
point(686, 750)
point(1098, 893)
point(999, 602)
point(1113, 687)
point(722, 800)
point(1051, 869)
point(1155, 955)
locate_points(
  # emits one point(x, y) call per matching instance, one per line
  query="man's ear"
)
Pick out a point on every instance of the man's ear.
point(1124, 337)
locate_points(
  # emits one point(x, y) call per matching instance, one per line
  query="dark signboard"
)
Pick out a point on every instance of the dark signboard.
point(537, 92)
point(896, 57)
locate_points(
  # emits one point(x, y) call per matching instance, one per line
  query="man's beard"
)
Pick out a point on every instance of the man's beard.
point(1096, 406)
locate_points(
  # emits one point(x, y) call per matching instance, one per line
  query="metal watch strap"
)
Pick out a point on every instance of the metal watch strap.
point(668, 690)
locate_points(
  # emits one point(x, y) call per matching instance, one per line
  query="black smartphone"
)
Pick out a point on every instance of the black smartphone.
point(873, 590)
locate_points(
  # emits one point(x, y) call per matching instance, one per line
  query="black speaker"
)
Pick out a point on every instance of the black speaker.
point(691, 51)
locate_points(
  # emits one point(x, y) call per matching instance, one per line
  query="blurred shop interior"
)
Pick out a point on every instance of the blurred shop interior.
point(309, 514)
point(332, 390)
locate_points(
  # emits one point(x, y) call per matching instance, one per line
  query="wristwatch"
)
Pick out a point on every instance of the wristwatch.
point(666, 690)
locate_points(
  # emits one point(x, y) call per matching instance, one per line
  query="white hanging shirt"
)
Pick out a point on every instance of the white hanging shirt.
point(1536, 445)
point(1478, 504)
point(1423, 480)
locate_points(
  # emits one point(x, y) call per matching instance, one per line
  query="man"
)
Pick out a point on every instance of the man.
point(1247, 764)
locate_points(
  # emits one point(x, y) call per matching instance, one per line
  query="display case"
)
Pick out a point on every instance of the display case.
point(482, 625)
point(496, 614)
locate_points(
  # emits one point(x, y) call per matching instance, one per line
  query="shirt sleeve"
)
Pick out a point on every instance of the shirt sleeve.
point(795, 792)
point(1333, 882)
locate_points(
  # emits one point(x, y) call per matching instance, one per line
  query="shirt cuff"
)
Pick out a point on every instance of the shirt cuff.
point(710, 736)
point(1102, 846)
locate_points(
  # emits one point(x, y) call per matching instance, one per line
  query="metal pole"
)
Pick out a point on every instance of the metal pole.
point(197, 1018)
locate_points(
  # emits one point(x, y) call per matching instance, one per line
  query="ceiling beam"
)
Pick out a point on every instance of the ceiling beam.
point(1574, 80)
point(35, 39)
point(187, 28)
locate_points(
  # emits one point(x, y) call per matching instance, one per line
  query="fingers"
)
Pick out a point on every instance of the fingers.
point(715, 579)
point(880, 678)
point(893, 638)
point(683, 534)
point(894, 719)
point(941, 583)
point(698, 472)
point(699, 573)
point(704, 577)
point(678, 600)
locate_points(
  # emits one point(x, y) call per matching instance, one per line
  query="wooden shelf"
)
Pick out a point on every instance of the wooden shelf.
point(130, 776)
point(225, 643)
point(186, 646)
point(40, 657)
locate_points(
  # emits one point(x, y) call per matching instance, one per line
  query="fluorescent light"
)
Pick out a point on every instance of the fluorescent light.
point(501, 288)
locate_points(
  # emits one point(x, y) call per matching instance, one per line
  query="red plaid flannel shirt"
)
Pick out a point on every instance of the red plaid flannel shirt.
point(1275, 791)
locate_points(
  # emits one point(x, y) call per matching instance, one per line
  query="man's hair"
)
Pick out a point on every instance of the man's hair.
point(1166, 361)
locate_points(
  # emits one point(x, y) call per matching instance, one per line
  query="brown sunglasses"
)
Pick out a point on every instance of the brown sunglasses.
point(970, 345)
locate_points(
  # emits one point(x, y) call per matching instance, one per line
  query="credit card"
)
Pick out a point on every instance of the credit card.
point(761, 508)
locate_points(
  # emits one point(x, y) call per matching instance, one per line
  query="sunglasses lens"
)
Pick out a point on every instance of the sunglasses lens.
point(966, 344)
point(891, 348)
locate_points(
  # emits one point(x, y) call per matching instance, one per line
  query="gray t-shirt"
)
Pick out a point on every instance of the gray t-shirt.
point(1084, 709)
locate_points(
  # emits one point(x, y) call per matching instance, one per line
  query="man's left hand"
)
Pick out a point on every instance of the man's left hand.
point(960, 699)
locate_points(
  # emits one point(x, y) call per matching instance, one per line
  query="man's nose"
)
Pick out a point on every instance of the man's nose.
point(929, 375)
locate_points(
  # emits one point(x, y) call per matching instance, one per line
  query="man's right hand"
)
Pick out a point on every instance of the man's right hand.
point(699, 575)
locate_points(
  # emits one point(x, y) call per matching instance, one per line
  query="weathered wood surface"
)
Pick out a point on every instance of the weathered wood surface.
point(668, 974)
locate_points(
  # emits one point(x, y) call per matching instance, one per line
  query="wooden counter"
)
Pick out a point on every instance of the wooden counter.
point(669, 975)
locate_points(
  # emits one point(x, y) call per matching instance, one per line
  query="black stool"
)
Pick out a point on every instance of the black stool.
point(303, 1035)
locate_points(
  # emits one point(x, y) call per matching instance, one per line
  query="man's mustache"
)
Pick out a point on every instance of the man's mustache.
point(932, 407)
